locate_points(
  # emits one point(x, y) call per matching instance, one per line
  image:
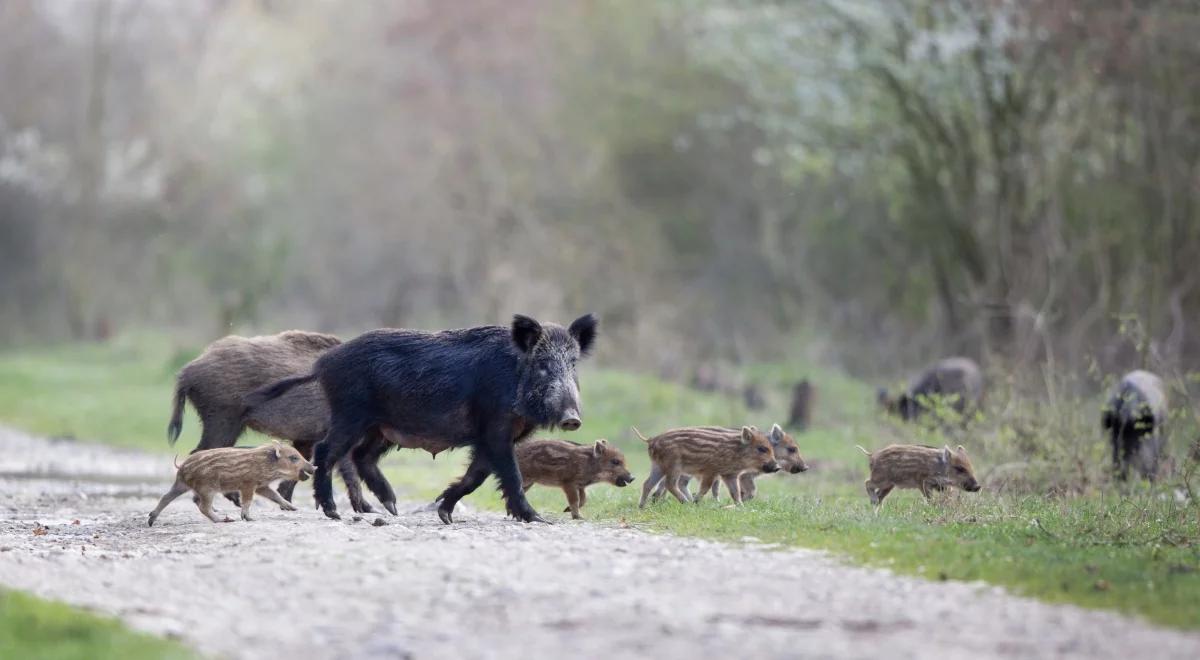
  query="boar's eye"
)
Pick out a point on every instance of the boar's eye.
point(762, 450)
point(791, 450)
point(616, 462)
point(295, 459)
point(959, 469)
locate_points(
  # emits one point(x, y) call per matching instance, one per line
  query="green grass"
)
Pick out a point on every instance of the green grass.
point(1138, 553)
point(35, 629)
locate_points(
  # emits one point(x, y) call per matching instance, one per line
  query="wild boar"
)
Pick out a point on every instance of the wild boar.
point(572, 467)
point(238, 469)
point(800, 413)
point(1134, 417)
point(917, 466)
point(486, 388)
point(708, 453)
point(956, 381)
point(787, 455)
point(230, 368)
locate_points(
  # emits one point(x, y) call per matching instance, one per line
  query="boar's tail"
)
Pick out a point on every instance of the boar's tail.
point(639, 434)
point(276, 389)
point(176, 462)
point(176, 423)
point(863, 450)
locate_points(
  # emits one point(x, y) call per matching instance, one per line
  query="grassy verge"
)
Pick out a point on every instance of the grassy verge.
point(33, 628)
point(1138, 553)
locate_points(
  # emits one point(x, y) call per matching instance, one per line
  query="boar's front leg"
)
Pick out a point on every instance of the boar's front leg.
point(366, 461)
point(572, 494)
point(582, 494)
point(247, 497)
point(266, 492)
point(498, 445)
point(734, 486)
point(204, 501)
point(477, 471)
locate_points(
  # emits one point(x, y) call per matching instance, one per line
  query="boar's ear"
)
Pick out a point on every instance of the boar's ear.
point(945, 455)
point(962, 450)
point(747, 435)
point(526, 332)
point(274, 453)
point(583, 329)
point(776, 434)
point(601, 444)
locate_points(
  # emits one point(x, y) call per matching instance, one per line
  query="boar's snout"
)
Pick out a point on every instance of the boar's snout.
point(624, 480)
point(797, 469)
point(306, 471)
point(770, 466)
point(570, 421)
point(972, 486)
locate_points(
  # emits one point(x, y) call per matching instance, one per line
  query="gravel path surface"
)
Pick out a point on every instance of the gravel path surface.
point(486, 587)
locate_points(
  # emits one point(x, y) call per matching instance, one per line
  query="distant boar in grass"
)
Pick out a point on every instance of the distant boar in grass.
point(572, 467)
point(956, 381)
point(709, 453)
point(787, 455)
point(1134, 417)
point(917, 466)
point(236, 469)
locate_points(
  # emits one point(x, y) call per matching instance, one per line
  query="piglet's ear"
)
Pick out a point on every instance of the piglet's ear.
point(776, 434)
point(946, 455)
point(274, 453)
point(747, 435)
point(601, 444)
point(526, 332)
point(962, 450)
point(583, 329)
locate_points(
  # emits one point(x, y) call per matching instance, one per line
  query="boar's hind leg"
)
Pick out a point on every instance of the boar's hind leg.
point(572, 494)
point(499, 449)
point(353, 485)
point(205, 504)
point(706, 484)
point(672, 480)
point(179, 488)
point(342, 436)
point(366, 461)
point(266, 492)
point(477, 471)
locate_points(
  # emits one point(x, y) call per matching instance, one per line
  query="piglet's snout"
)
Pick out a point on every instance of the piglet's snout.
point(772, 466)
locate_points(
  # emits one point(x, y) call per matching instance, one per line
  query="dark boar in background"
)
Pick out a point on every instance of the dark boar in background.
point(800, 413)
point(1134, 417)
point(483, 388)
point(958, 381)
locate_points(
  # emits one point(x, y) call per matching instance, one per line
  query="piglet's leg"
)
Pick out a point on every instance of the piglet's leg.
point(572, 494)
point(672, 481)
point(706, 484)
point(735, 488)
point(247, 497)
point(204, 501)
point(582, 496)
point(275, 497)
point(179, 488)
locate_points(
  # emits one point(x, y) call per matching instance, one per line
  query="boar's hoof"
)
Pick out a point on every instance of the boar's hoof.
point(391, 507)
point(331, 513)
point(150, 522)
point(287, 506)
point(445, 514)
point(362, 507)
point(246, 517)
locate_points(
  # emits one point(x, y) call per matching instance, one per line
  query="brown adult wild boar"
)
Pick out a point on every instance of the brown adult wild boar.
point(236, 469)
point(787, 455)
point(709, 453)
point(917, 466)
point(572, 467)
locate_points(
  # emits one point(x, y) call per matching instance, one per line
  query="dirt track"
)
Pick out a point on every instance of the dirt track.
point(297, 583)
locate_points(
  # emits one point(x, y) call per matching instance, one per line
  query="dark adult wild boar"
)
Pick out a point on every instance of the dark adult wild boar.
point(957, 381)
point(484, 387)
point(787, 455)
point(800, 413)
point(243, 470)
point(707, 452)
point(572, 467)
point(1134, 417)
point(232, 367)
point(917, 466)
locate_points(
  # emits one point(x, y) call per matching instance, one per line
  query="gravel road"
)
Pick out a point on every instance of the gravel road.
point(73, 528)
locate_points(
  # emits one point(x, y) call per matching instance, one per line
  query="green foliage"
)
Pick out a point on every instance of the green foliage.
point(34, 629)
